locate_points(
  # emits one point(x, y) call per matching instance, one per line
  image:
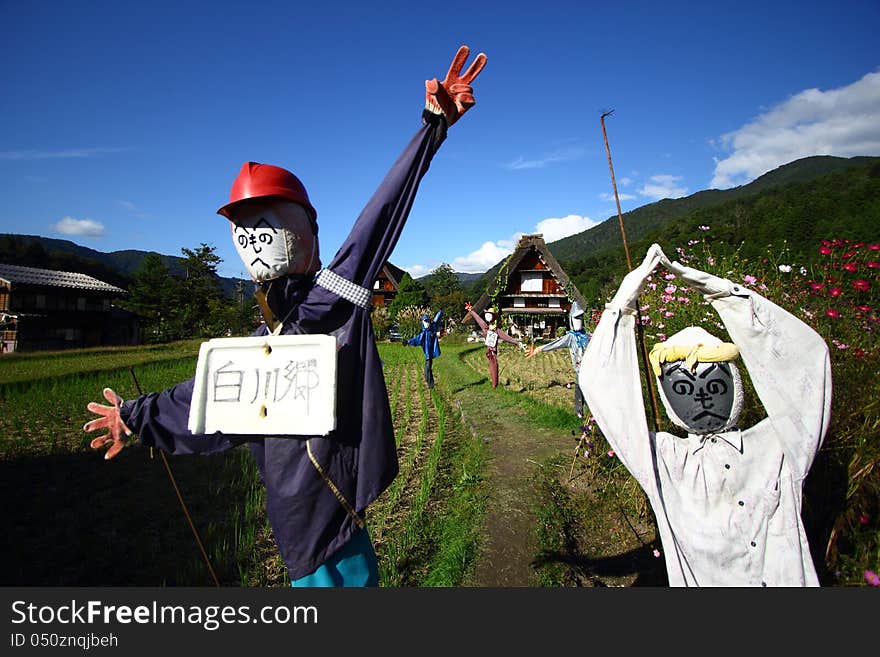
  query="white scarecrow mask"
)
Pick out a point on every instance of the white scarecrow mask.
point(275, 241)
point(699, 384)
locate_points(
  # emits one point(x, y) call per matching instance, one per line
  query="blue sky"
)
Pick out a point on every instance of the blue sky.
point(123, 124)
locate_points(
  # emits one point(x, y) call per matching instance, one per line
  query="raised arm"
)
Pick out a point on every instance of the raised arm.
point(479, 320)
point(609, 375)
point(378, 228)
point(788, 362)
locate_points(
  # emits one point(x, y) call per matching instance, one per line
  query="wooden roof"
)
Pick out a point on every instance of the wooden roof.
point(52, 278)
point(527, 243)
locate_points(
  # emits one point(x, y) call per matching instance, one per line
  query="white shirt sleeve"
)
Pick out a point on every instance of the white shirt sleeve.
point(787, 361)
point(609, 376)
point(790, 369)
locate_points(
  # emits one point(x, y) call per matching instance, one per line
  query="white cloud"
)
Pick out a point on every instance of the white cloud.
point(56, 155)
point(131, 207)
point(844, 122)
point(625, 181)
point(489, 254)
point(607, 196)
point(663, 186)
point(85, 227)
point(561, 155)
point(555, 229)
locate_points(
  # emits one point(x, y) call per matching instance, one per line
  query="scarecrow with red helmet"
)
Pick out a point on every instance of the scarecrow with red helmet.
point(317, 488)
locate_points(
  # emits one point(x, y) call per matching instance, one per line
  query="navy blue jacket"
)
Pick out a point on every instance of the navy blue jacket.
point(308, 521)
point(427, 338)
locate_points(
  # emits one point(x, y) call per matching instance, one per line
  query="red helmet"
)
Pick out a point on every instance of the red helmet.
point(256, 180)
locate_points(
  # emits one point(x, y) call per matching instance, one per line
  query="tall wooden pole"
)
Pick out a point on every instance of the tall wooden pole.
point(644, 351)
point(174, 485)
point(614, 186)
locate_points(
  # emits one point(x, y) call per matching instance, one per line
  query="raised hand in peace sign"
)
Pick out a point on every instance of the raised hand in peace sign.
point(454, 96)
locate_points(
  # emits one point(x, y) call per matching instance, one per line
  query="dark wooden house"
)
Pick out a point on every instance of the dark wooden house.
point(387, 284)
point(43, 309)
point(531, 293)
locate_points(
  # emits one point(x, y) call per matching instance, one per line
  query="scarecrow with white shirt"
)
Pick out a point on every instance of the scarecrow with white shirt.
point(317, 487)
point(576, 340)
point(727, 499)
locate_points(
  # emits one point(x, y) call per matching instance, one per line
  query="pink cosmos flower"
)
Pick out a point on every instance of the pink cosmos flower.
point(610, 452)
point(861, 285)
point(656, 554)
point(849, 254)
point(816, 287)
point(824, 250)
point(748, 279)
point(833, 314)
point(670, 289)
point(668, 314)
point(710, 260)
point(864, 519)
point(872, 264)
point(849, 266)
point(872, 578)
point(874, 247)
point(835, 292)
point(669, 277)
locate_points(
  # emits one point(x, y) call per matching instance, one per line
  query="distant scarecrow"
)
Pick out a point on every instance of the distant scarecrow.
point(428, 340)
point(491, 335)
point(576, 340)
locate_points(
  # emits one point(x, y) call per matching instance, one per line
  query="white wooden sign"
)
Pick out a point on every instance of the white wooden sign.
point(268, 385)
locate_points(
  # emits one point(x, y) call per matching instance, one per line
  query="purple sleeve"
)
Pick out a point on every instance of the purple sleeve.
point(377, 229)
point(505, 337)
point(160, 419)
point(479, 320)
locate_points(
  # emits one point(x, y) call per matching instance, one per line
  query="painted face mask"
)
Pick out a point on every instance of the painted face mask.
point(705, 400)
point(577, 324)
point(488, 316)
point(699, 384)
point(269, 247)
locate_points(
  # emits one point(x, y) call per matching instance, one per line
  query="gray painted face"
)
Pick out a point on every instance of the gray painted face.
point(703, 399)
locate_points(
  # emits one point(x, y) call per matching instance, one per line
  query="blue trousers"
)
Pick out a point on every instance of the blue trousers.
point(353, 565)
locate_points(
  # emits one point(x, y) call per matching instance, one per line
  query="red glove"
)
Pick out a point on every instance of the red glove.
point(454, 96)
point(111, 421)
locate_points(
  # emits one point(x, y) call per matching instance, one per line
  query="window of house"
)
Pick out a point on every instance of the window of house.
point(554, 303)
point(519, 302)
point(531, 281)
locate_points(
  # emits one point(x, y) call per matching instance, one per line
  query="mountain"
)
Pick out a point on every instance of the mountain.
point(115, 267)
point(808, 199)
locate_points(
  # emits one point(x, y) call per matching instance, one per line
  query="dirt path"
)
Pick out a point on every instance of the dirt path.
point(515, 447)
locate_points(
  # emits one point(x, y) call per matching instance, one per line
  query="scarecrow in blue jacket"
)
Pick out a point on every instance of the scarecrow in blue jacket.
point(576, 339)
point(428, 340)
point(317, 488)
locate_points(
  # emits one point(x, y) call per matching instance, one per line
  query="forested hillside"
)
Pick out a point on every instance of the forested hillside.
point(802, 202)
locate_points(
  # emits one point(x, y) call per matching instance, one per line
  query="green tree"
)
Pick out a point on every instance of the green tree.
point(197, 300)
point(445, 291)
point(149, 293)
point(409, 293)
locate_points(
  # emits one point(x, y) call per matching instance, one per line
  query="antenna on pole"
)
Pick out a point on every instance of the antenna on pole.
point(644, 350)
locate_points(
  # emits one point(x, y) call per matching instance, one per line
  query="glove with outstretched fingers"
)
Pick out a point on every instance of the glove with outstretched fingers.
point(454, 95)
point(110, 420)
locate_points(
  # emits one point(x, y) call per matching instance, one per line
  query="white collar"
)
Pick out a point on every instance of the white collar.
point(732, 438)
